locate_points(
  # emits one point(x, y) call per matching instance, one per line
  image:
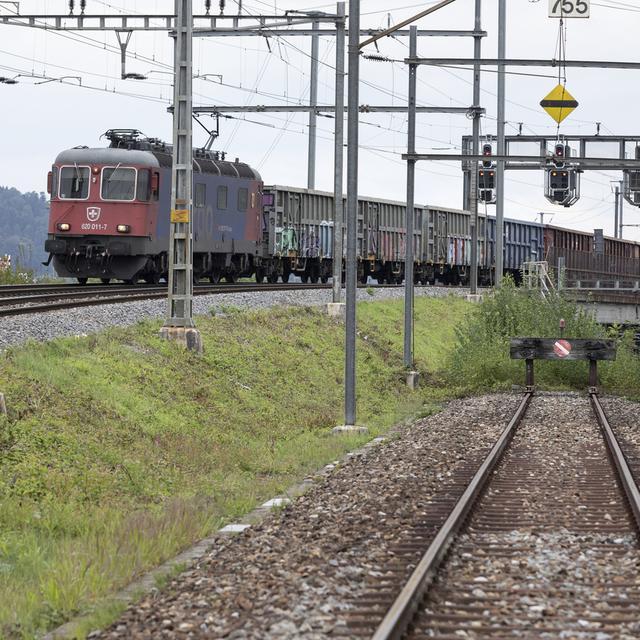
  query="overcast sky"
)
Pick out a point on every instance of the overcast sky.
point(40, 120)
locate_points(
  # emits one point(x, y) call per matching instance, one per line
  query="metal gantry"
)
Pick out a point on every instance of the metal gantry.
point(179, 323)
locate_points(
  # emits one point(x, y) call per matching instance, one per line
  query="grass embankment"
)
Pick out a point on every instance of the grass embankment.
point(121, 449)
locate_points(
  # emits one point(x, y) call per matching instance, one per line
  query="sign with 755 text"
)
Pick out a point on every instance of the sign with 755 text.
point(569, 8)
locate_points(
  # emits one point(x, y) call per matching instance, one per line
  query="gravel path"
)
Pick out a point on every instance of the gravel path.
point(290, 576)
point(85, 320)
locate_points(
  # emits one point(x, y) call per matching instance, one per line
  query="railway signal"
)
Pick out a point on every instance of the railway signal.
point(487, 185)
point(631, 183)
point(487, 176)
point(560, 152)
point(562, 185)
point(487, 152)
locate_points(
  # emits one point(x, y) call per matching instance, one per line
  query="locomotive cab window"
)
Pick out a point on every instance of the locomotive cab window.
point(74, 183)
point(143, 191)
point(243, 199)
point(222, 197)
point(54, 182)
point(118, 183)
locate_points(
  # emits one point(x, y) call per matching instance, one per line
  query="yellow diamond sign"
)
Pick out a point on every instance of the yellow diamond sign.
point(559, 103)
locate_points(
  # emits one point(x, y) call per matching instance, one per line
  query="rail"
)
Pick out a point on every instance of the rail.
point(400, 615)
point(62, 297)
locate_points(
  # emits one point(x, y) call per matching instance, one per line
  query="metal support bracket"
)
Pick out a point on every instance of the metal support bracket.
point(124, 43)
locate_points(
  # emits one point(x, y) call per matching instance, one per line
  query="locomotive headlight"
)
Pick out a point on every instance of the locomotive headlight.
point(63, 226)
point(123, 228)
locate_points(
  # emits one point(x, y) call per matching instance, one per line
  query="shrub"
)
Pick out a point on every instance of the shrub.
point(481, 360)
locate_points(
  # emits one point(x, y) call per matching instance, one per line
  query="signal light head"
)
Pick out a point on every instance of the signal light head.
point(559, 150)
point(486, 152)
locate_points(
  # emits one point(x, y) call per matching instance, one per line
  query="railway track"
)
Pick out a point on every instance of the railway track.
point(21, 300)
point(537, 540)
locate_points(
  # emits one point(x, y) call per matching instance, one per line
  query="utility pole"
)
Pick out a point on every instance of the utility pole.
point(179, 325)
point(338, 153)
point(352, 219)
point(410, 216)
point(477, 43)
point(616, 220)
point(313, 102)
point(499, 239)
point(620, 214)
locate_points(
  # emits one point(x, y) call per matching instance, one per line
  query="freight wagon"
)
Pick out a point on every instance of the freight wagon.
point(109, 219)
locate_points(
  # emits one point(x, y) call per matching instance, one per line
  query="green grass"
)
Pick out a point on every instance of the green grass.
point(120, 449)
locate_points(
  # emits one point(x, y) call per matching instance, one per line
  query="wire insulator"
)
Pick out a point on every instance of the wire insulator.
point(376, 58)
point(83, 6)
point(71, 7)
point(222, 4)
point(207, 6)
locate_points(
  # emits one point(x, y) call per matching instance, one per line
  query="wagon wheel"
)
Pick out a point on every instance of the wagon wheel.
point(82, 281)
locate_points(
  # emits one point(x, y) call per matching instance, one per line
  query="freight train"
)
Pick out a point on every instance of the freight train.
point(109, 219)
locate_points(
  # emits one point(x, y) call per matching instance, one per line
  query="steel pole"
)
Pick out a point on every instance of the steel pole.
point(313, 102)
point(411, 175)
point(338, 206)
point(477, 43)
point(499, 232)
point(352, 212)
point(616, 212)
point(620, 214)
point(179, 324)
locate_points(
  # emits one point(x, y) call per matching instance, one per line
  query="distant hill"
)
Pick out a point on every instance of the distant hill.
point(23, 227)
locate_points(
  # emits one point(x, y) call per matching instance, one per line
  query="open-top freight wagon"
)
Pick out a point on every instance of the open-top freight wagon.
point(109, 219)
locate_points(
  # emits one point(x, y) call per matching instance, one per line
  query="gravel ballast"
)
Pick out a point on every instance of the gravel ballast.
point(297, 574)
point(291, 576)
point(86, 320)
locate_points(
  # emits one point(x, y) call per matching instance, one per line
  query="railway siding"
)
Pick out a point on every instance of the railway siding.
point(550, 548)
point(292, 576)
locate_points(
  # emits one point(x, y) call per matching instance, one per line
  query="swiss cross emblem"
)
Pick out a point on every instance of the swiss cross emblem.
point(93, 214)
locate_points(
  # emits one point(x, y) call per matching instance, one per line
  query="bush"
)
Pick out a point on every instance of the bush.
point(481, 359)
point(17, 275)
